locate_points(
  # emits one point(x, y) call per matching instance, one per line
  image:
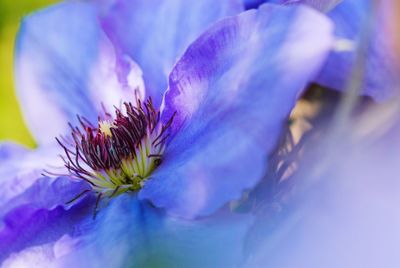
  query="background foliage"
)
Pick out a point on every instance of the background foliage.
point(12, 126)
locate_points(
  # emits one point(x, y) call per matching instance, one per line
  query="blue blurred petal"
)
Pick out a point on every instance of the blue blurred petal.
point(65, 66)
point(321, 5)
point(130, 233)
point(156, 32)
point(39, 215)
point(233, 90)
point(380, 78)
point(344, 210)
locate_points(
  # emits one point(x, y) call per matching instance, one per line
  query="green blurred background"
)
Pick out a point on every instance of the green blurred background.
point(12, 126)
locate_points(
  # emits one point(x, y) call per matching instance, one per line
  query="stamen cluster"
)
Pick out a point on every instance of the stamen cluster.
point(121, 153)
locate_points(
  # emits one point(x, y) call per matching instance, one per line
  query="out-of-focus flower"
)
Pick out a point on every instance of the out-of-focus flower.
point(345, 210)
point(358, 24)
point(364, 27)
point(321, 5)
point(227, 100)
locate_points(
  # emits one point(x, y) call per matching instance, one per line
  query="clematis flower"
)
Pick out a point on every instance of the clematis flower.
point(159, 166)
point(94, 58)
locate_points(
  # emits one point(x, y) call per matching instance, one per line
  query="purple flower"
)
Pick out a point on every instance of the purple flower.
point(367, 27)
point(321, 5)
point(358, 26)
point(221, 115)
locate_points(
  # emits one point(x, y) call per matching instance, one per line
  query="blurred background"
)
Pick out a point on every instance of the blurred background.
point(12, 126)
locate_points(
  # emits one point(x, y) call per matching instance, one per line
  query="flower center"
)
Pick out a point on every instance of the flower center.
point(121, 153)
point(105, 127)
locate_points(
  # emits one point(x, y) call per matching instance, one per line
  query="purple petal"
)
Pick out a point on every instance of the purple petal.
point(233, 90)
point(380, 78)
point(22, 167)
point(65, 66)
point(156, 32)
point(39, 215)
point(29, 203)
point(125, 233)
point(249, 4)
point(46, 193)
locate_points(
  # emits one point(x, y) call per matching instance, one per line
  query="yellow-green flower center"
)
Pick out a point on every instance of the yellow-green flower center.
point(121, 153)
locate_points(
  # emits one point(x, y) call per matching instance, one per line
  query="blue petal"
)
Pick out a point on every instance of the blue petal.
point(129, 233)
point(29, 203)
point(155, 32)
point(22, 167)
point(39, 215)
point(46, 193)
point(249, 4)
point(65, 66)
point(380, 77)
point(321, 5)
point(232, 92)
point(125, 233)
